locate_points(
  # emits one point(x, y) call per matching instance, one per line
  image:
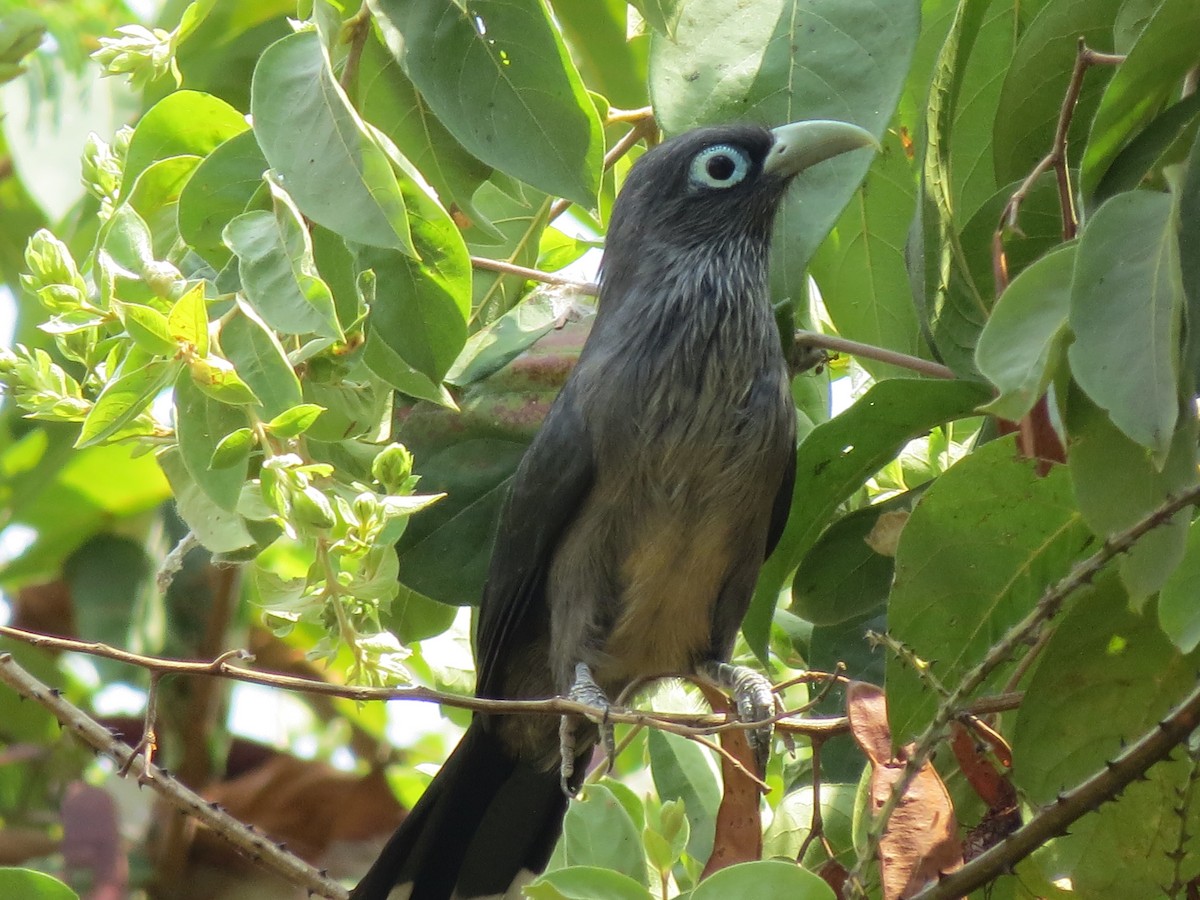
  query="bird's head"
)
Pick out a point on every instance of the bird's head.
point(717, 187)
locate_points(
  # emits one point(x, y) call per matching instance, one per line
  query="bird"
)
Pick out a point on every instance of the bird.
point(639, 517)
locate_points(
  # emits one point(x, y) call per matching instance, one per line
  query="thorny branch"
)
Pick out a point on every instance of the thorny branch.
point(250, 842)
point(999, 653)
point(1056, 159)
point(1072, 805)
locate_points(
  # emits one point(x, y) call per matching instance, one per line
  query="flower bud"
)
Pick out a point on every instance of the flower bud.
point(392, 467)
point(311, 508)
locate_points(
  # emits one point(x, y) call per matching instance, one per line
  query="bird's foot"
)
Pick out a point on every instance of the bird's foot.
point(755, 702)
point(584, 690)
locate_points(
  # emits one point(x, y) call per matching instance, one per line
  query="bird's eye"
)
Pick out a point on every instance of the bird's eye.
point(720, 166)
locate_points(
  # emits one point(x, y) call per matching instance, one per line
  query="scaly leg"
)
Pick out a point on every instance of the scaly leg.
point(584, 690)
point(752, 696)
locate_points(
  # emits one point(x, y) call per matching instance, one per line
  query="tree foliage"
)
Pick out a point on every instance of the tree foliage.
point(329, 264)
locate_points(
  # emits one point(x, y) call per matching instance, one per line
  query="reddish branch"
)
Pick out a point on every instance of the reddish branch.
point(1056, 159)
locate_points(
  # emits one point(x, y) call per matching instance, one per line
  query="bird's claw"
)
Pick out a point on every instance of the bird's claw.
point(584, 690)
point(755, 702)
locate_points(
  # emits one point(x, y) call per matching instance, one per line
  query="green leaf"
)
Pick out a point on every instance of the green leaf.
point(279, 278)
point(65, 495)
point(1036, 80)
point(950, 305)
point(232, 450)
point(187, 322)
point(294, 421)
point(972, 176)
point(1163, 54)
point(1131, 22)
point(219, 379)
point(218, 191)
point(353, 408)
point(193, 16)
point(422, 305)
point(1178, 611)
point(978, 551)
point(500, 79)
point(108, 578)
point(127, 240)
point(843, 575)
point(860, 268)
point(792, 823)
point(586, 883)
point(386, 364)
point(763, 880)
point(124, 399)
point(1117, 483)
point(497, 344)
point(390, 102)
point(837, 457)
point(444, 553)
point(776, 61)
point(597, 831)
point(1147, 150)
point(1023, 340)
point(155, 197)
point(147, 326)
point(609, 59)
point(184, 123)
point(30, 885)
point(1123, 678)
point(684, 772)
point(219, 530)
point(322, 151)
point(21, 31)
point(260, 359)
point(520, 216)
point(200, 424)
point(1128, 292)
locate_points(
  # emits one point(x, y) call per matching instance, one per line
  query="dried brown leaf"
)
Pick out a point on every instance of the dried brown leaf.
point(921, 840)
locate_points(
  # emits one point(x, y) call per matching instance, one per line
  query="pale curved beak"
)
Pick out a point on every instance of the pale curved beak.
point(799, 145)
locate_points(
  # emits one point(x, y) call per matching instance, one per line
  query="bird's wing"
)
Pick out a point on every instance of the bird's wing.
point(549, 488)
point(782, 505)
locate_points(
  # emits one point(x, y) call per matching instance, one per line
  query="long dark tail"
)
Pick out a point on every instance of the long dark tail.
point(481, 822)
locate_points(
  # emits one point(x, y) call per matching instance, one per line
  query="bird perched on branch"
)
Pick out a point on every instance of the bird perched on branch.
point(641, 513)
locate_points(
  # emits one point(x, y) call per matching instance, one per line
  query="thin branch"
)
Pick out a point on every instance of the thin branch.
point(715, 747)
point(629, 115)
point(1072, 805)
point(507, 268)
point(816, 827)
point(870, 351)
point(1046, 608)
point(683, 724)
point(642, 126)
point(147, 745)
point(1056, 159)
point(255, 845)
